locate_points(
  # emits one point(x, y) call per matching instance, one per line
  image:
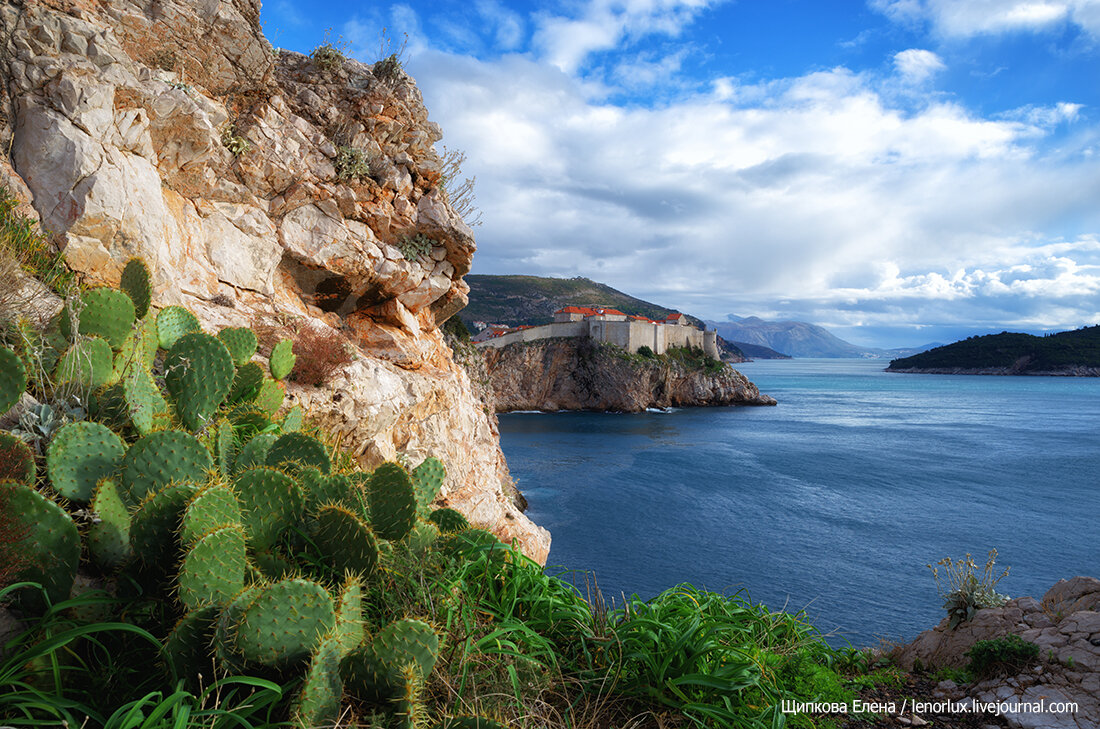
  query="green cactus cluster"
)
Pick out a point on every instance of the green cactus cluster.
point(188, 484)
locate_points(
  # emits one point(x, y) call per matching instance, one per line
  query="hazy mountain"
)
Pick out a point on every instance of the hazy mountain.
point(757, 351)
point(800, 339)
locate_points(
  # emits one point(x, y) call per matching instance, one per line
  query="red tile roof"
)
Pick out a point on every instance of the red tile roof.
point(674, 316)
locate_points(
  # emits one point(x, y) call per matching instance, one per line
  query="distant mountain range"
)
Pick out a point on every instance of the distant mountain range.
point(801, 339)
point(1065, 353)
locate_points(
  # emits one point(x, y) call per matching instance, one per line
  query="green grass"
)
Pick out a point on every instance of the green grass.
point(22, 242)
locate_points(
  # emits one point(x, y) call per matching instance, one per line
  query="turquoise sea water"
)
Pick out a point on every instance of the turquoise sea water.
point(833, 501)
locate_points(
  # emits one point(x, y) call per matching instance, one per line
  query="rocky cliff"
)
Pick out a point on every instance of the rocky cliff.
point(577, 374)
point(261, 187)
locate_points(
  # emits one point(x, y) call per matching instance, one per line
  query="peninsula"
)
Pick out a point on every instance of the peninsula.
point(1068, 354)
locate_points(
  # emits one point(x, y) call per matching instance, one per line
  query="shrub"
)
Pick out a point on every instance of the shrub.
point(320, 353)
point(331, 54)
point(967, 591)
point(646, 351)
point(1001, 656)
point(413, 247)
point(233, 141)
point(353, 163)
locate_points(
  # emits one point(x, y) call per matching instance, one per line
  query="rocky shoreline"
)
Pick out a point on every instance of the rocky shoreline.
point(575, 374)
point(1074, 371)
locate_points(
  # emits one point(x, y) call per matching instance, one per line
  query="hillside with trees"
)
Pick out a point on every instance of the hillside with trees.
point(1074, 352)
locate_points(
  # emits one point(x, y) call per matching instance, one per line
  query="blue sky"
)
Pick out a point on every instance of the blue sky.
point(901, 171)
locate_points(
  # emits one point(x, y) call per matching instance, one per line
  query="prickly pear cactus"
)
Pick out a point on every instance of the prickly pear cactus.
point(318, 703)
point(284, 622)
point(88, 362)
point(343, 541)
point(161, 458)
point(137, 284)
point(270, 397)
point(427, 481)
point(282, 359)
point(321, 489)
point(449, 520)
point(102, 312)
point(139, 349)
point(215, 505)
point(247, 383)
point(349, 629)
point(16, 460)
point(271, 503)
point(422, 537)
point(154, 524)
point(405, 641)
point(187, 649)
point(254, 452)
point(294, 419)
point(241, 343)
point(297, 450)
point(173, 322)
point(146, 405)
point(109, 532)
point(198, 374)
point(392, 502)
point(52, 547)
point(13, 379)
point(214, 568)
point(80, 455)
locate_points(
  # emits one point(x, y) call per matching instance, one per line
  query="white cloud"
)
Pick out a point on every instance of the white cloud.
point(796, 189)
point(917, 65)
point(565, 42)
point(964, 18)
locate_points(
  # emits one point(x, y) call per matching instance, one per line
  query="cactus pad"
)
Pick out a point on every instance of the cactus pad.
point(214, 506)
point(248, 380)
point(343, 541)
point(214, 568)
point(173, 322)
point(160, 458)
point(392, 502)
point(79, 455)
point(139, 349)
point(241, 343)
point(294, 419)
point(422, 537)
point(282, 359)
point(154, 524)
point(449, 520)
point(16, 460)
point(109, 532)
point(349, 629)
point(136, 283)
point(254, 452)
point(408, 641)
point(89, 362)
point(52, 546)
point(427, 481)
point(102, 312)
point(284, 622)
point(270, 397)
point(320, 489)
point(225, 446)
point(146, 405)
point(318, 704)
point(187, 649)
point(273, 564)
point(301, 450)
point(13, 379)
point(198, 374)
point(271, 503)
point(368, 678)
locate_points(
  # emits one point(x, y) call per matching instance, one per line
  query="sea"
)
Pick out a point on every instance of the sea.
point(834, 501)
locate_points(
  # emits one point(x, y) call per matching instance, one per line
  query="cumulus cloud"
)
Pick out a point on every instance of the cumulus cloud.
point(917, 65)
point(565, 42)
point(964, 18)
point(813, 190)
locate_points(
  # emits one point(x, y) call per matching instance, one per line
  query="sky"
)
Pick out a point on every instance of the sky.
point(900, 171)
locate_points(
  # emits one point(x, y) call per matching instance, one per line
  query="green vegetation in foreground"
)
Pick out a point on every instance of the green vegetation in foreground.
point(256, 577)
point(1016, 353)
point(515, 300)
point(690, 358)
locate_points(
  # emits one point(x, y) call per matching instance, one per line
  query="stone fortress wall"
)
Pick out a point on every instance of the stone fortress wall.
point(627, 334)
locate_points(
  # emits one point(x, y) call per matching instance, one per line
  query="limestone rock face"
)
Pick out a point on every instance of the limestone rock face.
point(573, 373)
point(175, 132)
point(1065, 624)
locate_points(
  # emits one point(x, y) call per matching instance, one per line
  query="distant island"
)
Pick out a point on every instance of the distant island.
point(1073, 354)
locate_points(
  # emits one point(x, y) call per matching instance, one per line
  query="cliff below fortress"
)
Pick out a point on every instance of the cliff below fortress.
point(574, 373)
point(172, 130)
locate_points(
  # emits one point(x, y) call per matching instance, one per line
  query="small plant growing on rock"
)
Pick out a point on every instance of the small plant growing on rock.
point(353, 163)
point(320, 353)
point(331, 54)
point(234, 142)
point(966, 590)
point(413, 247)
point(1001, 656)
